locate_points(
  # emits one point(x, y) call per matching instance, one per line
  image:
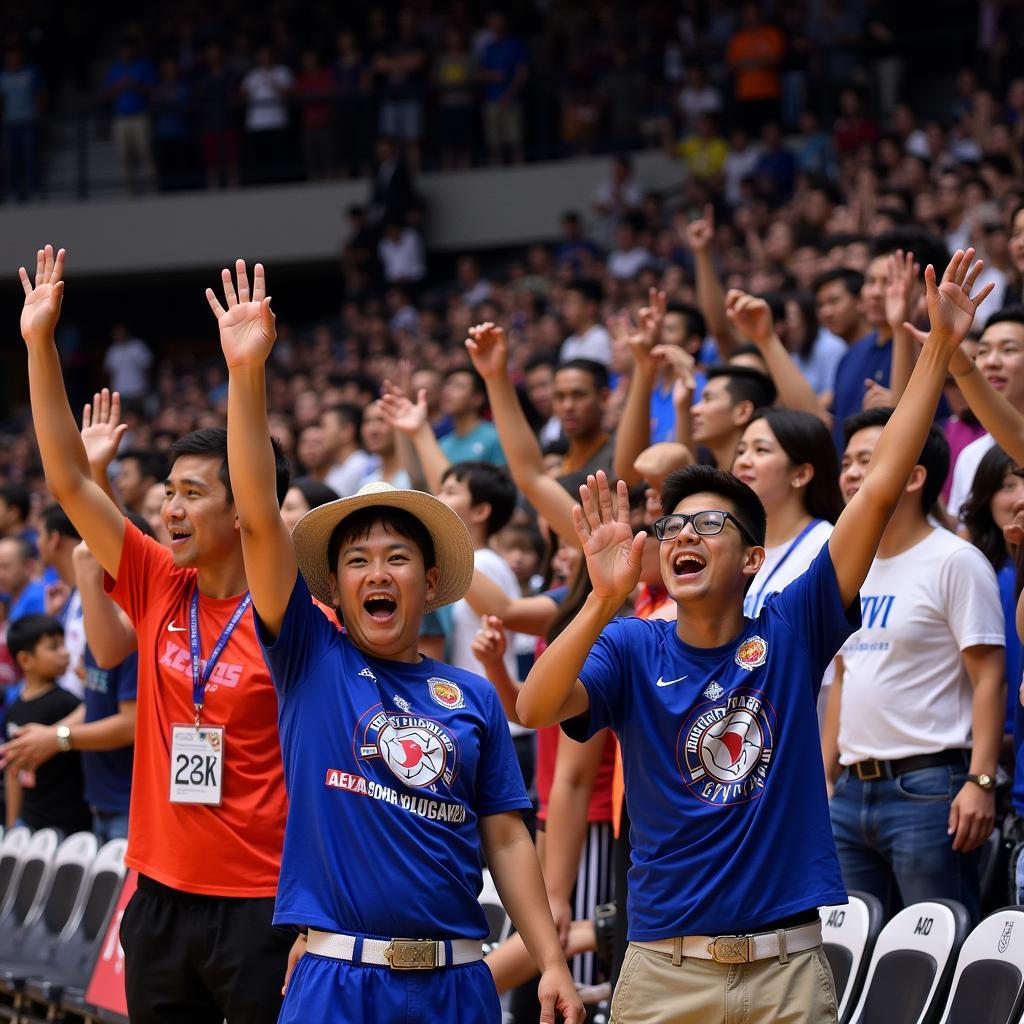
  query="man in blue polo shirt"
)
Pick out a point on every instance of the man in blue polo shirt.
point(732, 844)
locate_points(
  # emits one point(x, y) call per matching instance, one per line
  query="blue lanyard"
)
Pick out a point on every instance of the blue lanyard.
point(200, 679)
point(793, 545)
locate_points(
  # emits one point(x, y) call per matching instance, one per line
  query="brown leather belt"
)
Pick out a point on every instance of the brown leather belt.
point(873, 769)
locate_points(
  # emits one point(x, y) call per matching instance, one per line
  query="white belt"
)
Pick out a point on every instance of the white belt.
point(398, 954)
point(741, 949)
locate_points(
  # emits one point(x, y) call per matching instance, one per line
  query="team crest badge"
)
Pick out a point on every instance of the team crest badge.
point(446, 693)
point(713, 691)
point(725, 749)
point(416, 750)
point(752, 653)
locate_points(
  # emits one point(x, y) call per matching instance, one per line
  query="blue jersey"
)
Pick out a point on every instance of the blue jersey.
point(729, 819)
point(864, 360)
point(108, 773)
point(389, 767)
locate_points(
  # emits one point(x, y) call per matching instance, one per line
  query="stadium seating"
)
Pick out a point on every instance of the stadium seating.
point(12, 850)
point(849, 933)
point(988, 984)
point(30, 886)
point(912, 964)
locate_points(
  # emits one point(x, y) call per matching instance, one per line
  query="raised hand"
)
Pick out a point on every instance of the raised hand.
point(490, 642)
point(41, 311)
point(876, 396)
point(488, 348)
point(751, 316)
point(652, 316)
point(102, 428)
point(683, 365)
point(55, 597)
point(401, 413)
point(247, 325)
point(902, 273)
point(613, 554)
point(951, 306)
point(699, 233)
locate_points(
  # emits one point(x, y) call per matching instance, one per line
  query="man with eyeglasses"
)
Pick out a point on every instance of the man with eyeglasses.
point(732, 844)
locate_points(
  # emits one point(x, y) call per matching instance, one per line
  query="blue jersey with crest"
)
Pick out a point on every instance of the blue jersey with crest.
point(389, 767)
point(729, 818)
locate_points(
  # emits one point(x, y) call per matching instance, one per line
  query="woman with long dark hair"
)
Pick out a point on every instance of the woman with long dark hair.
point(788, 459)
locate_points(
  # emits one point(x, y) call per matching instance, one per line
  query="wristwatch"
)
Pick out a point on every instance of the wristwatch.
point(64, 738)
point(986, 782)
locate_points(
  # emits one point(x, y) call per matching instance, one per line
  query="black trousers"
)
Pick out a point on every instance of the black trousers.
point(200, 959)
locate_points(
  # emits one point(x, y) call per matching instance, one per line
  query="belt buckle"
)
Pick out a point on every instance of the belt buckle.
point(411, 954)
point(731, 949)
point(862, 773)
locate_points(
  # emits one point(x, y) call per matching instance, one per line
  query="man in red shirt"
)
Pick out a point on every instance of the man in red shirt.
point(208, 801)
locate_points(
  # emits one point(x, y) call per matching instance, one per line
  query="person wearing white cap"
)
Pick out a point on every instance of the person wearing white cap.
point(399, 768)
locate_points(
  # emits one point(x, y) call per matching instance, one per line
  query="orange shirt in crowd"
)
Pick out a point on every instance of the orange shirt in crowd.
point(755, 55)
point(233, 849)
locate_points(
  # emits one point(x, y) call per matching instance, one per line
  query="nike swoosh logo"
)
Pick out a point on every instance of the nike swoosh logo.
point(172, 628)
point(669, 682)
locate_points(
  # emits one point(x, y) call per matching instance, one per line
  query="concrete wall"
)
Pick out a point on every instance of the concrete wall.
point(304, 223)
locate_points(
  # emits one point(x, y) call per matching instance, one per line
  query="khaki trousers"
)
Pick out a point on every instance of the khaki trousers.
point(651, 990)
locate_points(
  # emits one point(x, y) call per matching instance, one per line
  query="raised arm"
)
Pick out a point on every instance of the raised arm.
point(532, 615)
point(899, 289)
point(752, 318)
point(102, 431)
point(96, 517)
point(951, 309)
point(488, 348)
point(710, 293)
point(633, 434)
point(553, 691)
point(411, 424)
point(108, 629)
point(247, 334)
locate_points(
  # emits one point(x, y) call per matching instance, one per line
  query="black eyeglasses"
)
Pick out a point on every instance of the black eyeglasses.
point(706, 524)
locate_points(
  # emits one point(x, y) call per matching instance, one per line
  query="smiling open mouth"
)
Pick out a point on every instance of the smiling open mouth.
point(688, 563)
point(179, 535)
point(380, 607)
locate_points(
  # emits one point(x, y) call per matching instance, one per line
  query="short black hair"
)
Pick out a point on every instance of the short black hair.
point(926, 247)
point(394, 520)
point(535, 362)
point(746, 505)
point(347, 413)
point(745, 384)
point(695, 322)
point(591, 291)
point(490, 483)
point(26, 549)
point(55, 520)
point(597, 371)
point(853, 280)
point(1012, 314)
point(24, 633)
point(213, 442)
point(478, 382)
point(136, 520)
point(17, 497)
point(934, 456)
point(316, 492)
point(151, 463)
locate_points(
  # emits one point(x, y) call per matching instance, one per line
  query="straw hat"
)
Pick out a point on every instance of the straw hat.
point(453, 548)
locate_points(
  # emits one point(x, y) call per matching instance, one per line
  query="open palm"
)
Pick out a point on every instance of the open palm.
point(43, 297)
point(951, 306)
point(401, 413)
point(102, 428)
point(613, 554)
point(247, 324)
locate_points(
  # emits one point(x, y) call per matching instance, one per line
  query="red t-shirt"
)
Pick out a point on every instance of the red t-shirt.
point(233, 849)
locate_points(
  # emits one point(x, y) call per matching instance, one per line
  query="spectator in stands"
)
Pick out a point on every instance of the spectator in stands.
point(50, 796)
point(539, 385)
point(172, 127)
point(629, 256)
point(697, 98)
point(24, 593)
point(352, 103)
point(704, 150)
point(926, 590)
point(380, 442)
point(430, 381)
point(216, 95)
point(837, 294)
point(58, 539)
point(472, 438)
point(128, 361)
point(579, 398)
point(727, 404)
point(137, 472)
point(504, 69)
point(454, 79)
point(305, 493)
point(15, 508)
point(400, 68)
point(266, 89)
point(575, 249)
point(754, 56)
point(581, 304)
point(392, 196)
point(23, 96)
point(350, 464)
point(618, 194)
point(401, 254)
point(314, 90)
point(128, 84)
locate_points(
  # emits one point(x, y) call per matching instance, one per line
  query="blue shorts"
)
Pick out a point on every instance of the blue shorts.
point(336, 992)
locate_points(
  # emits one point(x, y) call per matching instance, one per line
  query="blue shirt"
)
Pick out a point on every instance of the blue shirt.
point(663, 412)
point(480, 444)
point(389, 768)
point(730, 824)
point(505, 56)
point(134, 99)
point(864, 360)
point(108, 773)
point(31, 601)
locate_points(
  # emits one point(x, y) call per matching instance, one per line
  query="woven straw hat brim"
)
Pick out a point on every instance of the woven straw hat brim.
point(453, 548)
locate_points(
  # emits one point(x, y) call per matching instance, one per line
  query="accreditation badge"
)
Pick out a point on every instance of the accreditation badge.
point(197, 764)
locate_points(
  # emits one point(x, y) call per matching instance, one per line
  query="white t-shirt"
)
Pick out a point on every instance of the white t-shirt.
point(73, 679)
point(466, 622)
point(402, 257)
point(967, 463)
point(345, 478)
point(783, 564)
point(265, 89)
point(594, 343)
point(127, 364)
point(906, 690)
point(625, 264)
